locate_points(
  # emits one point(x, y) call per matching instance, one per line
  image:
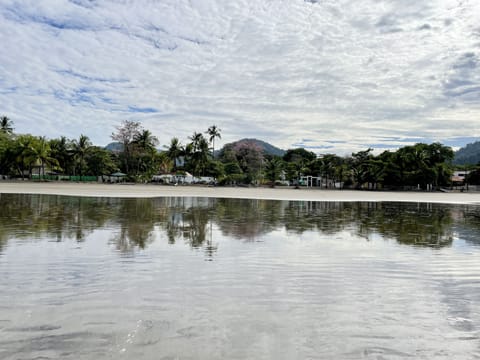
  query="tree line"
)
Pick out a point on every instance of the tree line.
point(424, 166)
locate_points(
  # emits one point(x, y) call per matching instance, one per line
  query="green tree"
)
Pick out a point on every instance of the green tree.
point(7, 158)
point(250, 159)
point(80, 150)
point(299, 155)
point(298, 163)
point(99, 162)
point(273, 169)
point(175, 151)
point(6, 125)
point(40, 154)
point(22, 153)
point(213, 132)
point(61, 149)
point(200, 156)
point(145, 140)
point(359, 165)
point(146, 154)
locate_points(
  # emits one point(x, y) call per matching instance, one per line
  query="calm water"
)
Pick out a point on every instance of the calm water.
point(183, 278)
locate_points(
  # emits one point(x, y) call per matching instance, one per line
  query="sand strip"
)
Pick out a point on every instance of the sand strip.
point(150, 190)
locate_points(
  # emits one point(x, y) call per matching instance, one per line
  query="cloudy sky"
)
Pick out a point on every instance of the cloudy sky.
point(329, 75)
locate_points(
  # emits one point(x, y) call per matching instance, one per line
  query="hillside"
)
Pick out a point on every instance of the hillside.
point(114, 147)
point(470, 154)
point(268, 149)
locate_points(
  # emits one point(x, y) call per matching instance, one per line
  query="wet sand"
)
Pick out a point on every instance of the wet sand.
point(150, 190)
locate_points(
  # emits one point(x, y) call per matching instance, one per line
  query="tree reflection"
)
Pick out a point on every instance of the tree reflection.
point(136, 219)
point(468, 223)
point(136, 223)
point(58, 217)
point(419, 224)
point(248, 219)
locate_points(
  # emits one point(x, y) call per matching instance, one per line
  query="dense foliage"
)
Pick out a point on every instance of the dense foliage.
point(135, 154)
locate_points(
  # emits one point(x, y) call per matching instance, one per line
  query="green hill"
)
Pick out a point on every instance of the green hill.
point(470, 154)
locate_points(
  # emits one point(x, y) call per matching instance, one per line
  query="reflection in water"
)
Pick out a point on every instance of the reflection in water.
point(289, 280)
point(133, 222)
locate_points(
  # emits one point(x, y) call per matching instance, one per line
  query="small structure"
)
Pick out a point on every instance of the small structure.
point(459, 178)
point(182, 178)
point(116, 177)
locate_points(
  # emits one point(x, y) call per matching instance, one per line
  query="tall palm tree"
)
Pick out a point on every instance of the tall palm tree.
point(196, 138)
point(145, 142)
point(174, 151)
point(6, 125)
point(80, 149)
point(213, 132)
point(199, 153)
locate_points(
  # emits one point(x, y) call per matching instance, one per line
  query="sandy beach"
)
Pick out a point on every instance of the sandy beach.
point(150, 190)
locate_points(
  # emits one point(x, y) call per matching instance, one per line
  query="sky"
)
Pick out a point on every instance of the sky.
point(332, 76)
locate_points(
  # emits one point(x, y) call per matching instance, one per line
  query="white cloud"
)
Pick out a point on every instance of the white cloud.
point(343, 74)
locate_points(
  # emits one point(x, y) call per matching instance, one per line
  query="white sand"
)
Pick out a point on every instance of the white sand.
point(124, 190)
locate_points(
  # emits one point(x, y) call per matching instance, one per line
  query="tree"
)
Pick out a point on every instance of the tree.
point(61, 150)
point(125, 135)
point(298, 162)
point(80, 150)
point(40, 153)
point(331, 169)
point(213, 132)
point(6, 153)
point(195, 140)
point(144, 143)
point(6, 125)
point(22, 152)
point(359, 163)
point(99, 161)
point(145, 140)
point(198, 159)
point(174, 151)
point(273, 169)
point(250, 159)
point(299, 155)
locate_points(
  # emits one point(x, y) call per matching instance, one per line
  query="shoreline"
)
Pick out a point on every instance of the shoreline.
point(152, 191)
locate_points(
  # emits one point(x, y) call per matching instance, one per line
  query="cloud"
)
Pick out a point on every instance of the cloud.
point(341, 74)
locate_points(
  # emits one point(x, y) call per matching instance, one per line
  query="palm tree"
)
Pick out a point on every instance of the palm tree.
point(6, 125)
point(174, 151)
point(62, 151)
point(22, 153)
point(145, 143)
point(40, 152)
point(145, 140)
point(273, 169)
point(196, 138)
point(80, 150)
point(214, 132)
point(201, 155)
point(199, 150)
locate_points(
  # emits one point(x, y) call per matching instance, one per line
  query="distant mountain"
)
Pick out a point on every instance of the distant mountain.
point(268, 149)
point(114, 147)
point(470, 154)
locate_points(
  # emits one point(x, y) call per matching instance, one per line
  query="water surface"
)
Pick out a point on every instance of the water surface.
point(196, 278)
